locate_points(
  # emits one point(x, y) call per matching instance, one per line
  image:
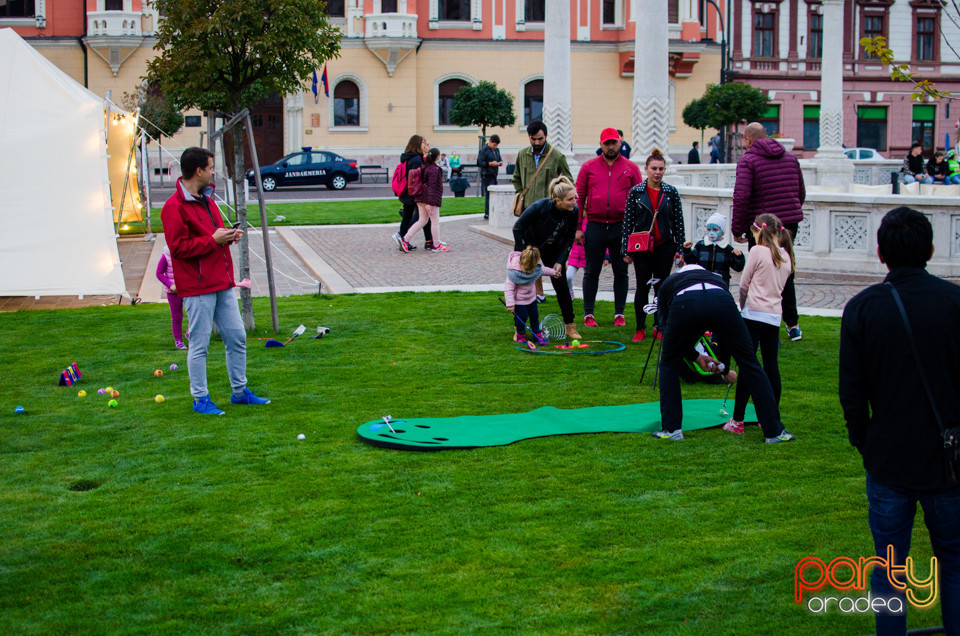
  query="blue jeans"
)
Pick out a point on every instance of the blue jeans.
point(909, 178)
point(524, 312)
point(892, 511)
point(202, 311)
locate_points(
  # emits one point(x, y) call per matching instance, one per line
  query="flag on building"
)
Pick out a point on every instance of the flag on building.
point(326, 85)
point(313, 87)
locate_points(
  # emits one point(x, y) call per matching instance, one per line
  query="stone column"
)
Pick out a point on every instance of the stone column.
point(651, 80)
point(832, 167)
point(293, 122)
point(557, 105)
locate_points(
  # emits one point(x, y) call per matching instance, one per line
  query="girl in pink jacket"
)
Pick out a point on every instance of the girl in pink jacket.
point(524, 269)
point(769, 263)
point(165, 276)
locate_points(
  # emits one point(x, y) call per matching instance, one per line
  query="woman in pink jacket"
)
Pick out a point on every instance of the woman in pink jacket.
point(769, 264)
point(524, 269)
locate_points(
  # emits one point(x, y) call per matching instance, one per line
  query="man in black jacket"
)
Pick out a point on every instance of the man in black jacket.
point(888, 414)
point(690, 302)
point(489, 162)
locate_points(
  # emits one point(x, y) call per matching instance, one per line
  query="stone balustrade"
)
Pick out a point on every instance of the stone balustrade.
point(390, 25)
point(723, 175)
point(114, 24)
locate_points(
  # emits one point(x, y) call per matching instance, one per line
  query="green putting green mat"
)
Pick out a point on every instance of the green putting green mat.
point(471, 431)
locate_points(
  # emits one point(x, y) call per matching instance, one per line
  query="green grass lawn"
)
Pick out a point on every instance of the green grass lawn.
point(148, 518)
point(330, 212)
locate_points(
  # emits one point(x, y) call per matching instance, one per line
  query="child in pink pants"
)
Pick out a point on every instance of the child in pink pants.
point(165, 276)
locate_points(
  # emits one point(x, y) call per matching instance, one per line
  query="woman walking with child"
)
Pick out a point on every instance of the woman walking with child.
point(428, 203)
point(769, 263)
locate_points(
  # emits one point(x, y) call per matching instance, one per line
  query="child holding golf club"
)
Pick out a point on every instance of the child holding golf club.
point(524, 269)
point(769, 263)
point(165, 276)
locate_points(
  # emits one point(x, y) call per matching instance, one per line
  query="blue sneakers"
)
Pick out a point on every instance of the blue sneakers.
point(205, 406)
point(782, 437)
point(676, 435)
point(248, 397)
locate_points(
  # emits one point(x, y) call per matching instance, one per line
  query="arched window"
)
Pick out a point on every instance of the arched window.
point(532, 101)
point(346, 104)
point(445, 92)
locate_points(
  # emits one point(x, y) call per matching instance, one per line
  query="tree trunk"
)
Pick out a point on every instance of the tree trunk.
point(246, 299)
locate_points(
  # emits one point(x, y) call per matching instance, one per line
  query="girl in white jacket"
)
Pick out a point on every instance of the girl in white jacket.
point(769, 264)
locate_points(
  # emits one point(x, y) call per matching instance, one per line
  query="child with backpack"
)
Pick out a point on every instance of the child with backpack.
point(165, 276)
point(769, 263)
point(713, 253)
point(428, 196)
point(520, 294)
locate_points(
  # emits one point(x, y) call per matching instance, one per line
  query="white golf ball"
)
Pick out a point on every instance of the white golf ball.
point(301, 436)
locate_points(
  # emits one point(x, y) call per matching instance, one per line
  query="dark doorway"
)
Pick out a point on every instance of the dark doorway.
point(267, 120)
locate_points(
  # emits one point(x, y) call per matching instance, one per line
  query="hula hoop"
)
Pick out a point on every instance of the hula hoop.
point(614, 347)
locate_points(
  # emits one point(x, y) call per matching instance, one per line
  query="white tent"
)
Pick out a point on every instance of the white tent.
point(56, 223)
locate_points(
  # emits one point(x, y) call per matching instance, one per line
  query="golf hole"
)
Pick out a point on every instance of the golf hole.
point(442, 439)
point(83, 485)
point(421, 426)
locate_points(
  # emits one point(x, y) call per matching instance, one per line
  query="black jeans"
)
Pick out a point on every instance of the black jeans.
point(549, 257)
point(409, 217)
point(767, 337)
point(789, 294)
point(655, 264)
point(713, 310)
point(527, 311)
point(599, 238)
point(486, 183)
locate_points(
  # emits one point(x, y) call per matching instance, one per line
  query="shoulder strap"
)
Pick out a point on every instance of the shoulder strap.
point(916, 354)
point(539, 165)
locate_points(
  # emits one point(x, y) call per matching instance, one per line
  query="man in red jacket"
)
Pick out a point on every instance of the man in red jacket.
point(769, 181)
point(203, 269)
point(602, 188)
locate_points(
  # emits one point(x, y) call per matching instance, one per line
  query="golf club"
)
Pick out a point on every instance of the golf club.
point(276, 343)
point(532, 341)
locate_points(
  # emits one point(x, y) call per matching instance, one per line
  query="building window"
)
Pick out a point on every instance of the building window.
point(454, 10)
point(17, 9)
point(346, 104)
point(113, 5)
point(532, 101)
point(923, 118)
point(445, 93)
point(926, 36)
point(608, 12)
point(536, 10)
point(811, 127)
point(335, 8)
point(815, 41)
point(191, 121)
point(872, 127)
point(388, 6)
point(764, 34)
point(673, 11)
point(872, 25)
point(770, 119)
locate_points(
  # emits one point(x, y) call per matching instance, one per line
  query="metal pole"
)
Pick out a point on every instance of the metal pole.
point(264, 227)
point(145, 173)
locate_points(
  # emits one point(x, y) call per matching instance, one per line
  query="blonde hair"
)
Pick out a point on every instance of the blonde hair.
point(771, 234)
point(560, 187)
point(529, 258)
point(655, 155)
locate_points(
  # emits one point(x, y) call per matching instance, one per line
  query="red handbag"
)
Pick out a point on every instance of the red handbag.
point(641, 241)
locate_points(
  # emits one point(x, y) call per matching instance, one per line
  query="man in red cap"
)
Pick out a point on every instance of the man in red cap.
point(602, 188)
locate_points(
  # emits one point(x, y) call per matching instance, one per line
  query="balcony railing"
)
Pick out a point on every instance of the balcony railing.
point(390, 25)
point(114, 24)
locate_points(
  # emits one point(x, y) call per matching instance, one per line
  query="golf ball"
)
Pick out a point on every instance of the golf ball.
point(158, 399)
point(574, 344)
point(109, 389)
point(114, 394)
point(81, 393)
point(19, 410)
point(112, 404)
point(174, 367)
point(101, 391)
point(301, 436)
point(158, 373)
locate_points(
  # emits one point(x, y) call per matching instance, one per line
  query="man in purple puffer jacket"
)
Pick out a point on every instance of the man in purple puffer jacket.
point(769, 181)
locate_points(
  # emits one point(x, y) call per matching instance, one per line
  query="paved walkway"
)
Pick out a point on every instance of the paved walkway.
point(364, 259)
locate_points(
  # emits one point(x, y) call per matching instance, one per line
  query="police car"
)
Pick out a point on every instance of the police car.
point(308, 167)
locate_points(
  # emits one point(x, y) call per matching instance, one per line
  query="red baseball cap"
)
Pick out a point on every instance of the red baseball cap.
point(609, 133)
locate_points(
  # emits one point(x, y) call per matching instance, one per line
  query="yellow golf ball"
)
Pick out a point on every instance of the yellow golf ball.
point(575, 344)
point(158, 399)
point(108, 390)
point(81, 393)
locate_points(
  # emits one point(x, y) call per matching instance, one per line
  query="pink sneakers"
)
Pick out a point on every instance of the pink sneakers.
point(733, 426)
point(588, 321)
point(619, 321)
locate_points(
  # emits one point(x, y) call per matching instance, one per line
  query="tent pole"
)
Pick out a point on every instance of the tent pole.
point(264, 226)
point(145, 174)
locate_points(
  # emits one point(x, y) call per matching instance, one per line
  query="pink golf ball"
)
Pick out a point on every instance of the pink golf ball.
point(174, 367)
